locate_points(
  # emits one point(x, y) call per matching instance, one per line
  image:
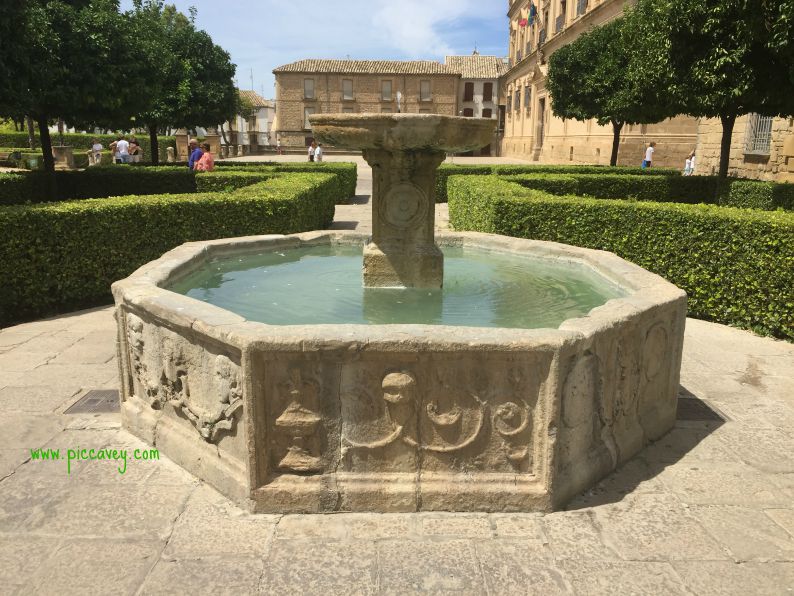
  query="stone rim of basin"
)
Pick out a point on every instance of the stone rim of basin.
point(403, 132)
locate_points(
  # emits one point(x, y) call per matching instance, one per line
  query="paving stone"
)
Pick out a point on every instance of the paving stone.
point(768, 450)
point(232, 530)
point(118, 510)
point(518, 525)
point(97, 567)
point(322, 527)
point(97, 347)
point(437, 567)
point(634, 477)
point(606, 578)
point(376, 526)
point(687, 445)
point(19, 361)
point(10, 338)
point(714, 578)
point(784, 518)
point(86, 376)
point(315, 567)
point(573, 535)
point(656, 528)
point(11, 459)
point(26, 431)
point(51, 343)
point(748, 533)
point(29, 489)
point(519, 567)
point(230, 576)
point(21, 557)
point(724, 484)
point(37, 399)
point(456, 525)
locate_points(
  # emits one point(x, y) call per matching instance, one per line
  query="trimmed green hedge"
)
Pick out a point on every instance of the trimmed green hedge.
point(736, 265)
point(58, 257)
point(347, 171)
point(95, 182)
point(82, 141)
point(227, 180)
point(446, 170)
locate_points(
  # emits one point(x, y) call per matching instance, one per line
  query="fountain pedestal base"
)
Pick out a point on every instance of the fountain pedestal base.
point(413, 267)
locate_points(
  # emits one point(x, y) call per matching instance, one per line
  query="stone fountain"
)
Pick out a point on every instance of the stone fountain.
point(313, 414)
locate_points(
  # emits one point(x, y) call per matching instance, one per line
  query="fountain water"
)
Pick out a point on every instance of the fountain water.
point(463, 403)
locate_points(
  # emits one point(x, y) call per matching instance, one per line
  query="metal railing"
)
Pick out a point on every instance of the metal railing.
point(759, 134)
point(542, 37)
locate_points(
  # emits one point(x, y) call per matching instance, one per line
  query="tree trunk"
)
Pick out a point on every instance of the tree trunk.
point(725, 145)
point(616, 128)
point(46, 143)
point(154, 147)
point(31, 133)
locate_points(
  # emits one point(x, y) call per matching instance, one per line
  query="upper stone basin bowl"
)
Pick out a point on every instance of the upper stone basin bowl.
point(408, 132)
point(399, 417)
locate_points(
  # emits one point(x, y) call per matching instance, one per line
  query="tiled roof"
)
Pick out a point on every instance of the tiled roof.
point(476, 66)
point(427, 67)
point(255, 99)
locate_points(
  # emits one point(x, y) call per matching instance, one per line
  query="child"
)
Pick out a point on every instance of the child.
point(646, 163)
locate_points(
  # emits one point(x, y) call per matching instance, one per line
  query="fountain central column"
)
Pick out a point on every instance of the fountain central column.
point(402, 251)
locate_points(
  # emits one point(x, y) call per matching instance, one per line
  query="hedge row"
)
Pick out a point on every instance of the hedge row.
point(446, 170)
point(95, 182)
point(347, 171)
point(83, 142)
point(736, 265)
point(58, 257)
point(676, 189)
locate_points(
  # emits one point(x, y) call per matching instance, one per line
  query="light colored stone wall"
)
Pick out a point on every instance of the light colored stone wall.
point(777, 166)
point(478, 104)
point(290, 102)
point(571, 141)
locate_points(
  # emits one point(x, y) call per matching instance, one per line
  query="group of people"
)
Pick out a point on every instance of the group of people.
point(200, 158)
point(122, 150)
point(689, 164)
point(315, 151)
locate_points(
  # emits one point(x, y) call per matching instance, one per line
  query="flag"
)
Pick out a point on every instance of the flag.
point(522, 23)
point(532, 13)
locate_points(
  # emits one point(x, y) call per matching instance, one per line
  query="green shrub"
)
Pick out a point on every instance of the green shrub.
point(83, 142)
point(447, 170)
point(228, 179)
point(736, 265)
point(58, 257)
point(755, 194)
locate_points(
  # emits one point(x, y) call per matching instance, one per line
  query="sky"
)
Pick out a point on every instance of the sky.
point(263, 34)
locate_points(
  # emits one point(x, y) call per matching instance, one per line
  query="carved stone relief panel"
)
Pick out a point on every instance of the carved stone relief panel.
point(301, 405)
point(441, 413)
point(580, 425)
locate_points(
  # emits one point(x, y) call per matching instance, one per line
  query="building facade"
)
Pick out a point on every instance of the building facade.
point(254, 130)
point(537, 28)
point(309, 87)
point(762, 148)
point(478, 90)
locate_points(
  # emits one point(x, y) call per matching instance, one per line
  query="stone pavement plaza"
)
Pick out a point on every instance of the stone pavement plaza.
point(709, 509)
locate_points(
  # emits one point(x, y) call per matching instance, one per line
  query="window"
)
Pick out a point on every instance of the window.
point(759, 134)
point(347, 110)
point(308, 88)
point(468, 92)
point(385, 90)
point(468, 112)
point(509, 102)
point(347, 88)
point(581, 7)
point(424, 91)
point(527, 96)
point(518, 100)
point(487, 113)
point(306, 113)
point(487, 92)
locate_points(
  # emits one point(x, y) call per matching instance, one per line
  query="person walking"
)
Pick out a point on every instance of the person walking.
point(278, 146)
point(318, 153)
point(135, 151)
point(96, 153)
point(206, 162)
point(689, 164)
point(122, 150)
point(194, 153)
point(312, 148)
point(646, 163)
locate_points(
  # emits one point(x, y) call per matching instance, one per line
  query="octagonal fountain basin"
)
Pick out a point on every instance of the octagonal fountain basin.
point(261, 365)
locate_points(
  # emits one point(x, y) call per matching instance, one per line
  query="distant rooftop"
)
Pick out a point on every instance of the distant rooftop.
point(255, 99)
point(427, 67)
point(476, 66)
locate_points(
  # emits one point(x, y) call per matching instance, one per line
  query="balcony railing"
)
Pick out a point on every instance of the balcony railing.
point(581, 7)
point(518, 56)
point(542, 37)
point(559, 23)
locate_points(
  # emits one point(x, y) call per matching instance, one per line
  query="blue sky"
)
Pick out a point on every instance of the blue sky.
point(263, 34)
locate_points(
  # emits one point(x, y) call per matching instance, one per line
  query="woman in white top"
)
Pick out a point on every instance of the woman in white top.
point(646, 163)
point(96, 153)
point(311, 151)
point(318, 153)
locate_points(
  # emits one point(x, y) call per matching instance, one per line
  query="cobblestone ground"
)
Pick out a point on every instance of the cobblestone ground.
point(709, 509)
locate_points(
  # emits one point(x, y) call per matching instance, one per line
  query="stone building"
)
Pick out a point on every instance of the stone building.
point(762, 148)
point(478, 91)
point(530, 129)
point(253, 131)
point(310, 87)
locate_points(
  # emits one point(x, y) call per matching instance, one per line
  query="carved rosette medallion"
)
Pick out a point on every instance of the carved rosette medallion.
point(403, 205)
